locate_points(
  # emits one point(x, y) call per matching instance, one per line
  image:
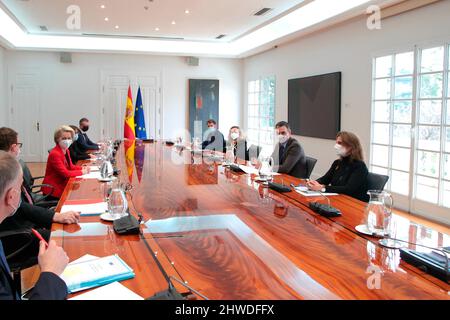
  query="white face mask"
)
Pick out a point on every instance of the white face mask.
point(16, 208)
point(65, 144)
point(75, 137)
point(19, 151)
point(340, 150)
point(234, 135)
point(282, 139)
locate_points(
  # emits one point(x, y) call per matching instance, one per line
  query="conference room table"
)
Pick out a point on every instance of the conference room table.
point(229, 237)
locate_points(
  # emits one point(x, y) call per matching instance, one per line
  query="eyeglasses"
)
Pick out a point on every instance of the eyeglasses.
point(19, 144)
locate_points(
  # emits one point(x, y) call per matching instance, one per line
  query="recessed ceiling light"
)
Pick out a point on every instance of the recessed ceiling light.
point(117, 27)
point(173, 22)
point(309, 15)
point(186, 11)
point(103, 6)
point(106, 19)
point(156, 29)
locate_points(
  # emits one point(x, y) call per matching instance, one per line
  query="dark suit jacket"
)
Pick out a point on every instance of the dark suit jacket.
point(347, 177)
point(48, 287)
point(294, 162)
point(58, 172)
point(215, 141)
point(26, 217)
point(240, 149)
point(77, 152)
point(85, 143)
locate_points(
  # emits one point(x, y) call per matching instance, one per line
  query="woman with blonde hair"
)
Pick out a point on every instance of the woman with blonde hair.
point(237, 142)
point(348, 174)
point(59, 164)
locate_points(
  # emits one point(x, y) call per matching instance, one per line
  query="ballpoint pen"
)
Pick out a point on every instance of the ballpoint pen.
point(38, 235)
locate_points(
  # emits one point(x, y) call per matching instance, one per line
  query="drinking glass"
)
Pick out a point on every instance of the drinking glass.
point(265, 171)
point(391, 236)
point(117, 203)
point(229, 156)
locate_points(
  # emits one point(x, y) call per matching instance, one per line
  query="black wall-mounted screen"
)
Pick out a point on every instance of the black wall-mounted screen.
point(314, 106)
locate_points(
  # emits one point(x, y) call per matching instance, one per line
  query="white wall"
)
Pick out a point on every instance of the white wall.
point(3, 108)
point(348, 48)
point(71, 91)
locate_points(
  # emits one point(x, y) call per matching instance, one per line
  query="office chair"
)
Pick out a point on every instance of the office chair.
point(376, 181)
point(254, 151)
point(21, 251)
point(39, 199)
point(310, 164)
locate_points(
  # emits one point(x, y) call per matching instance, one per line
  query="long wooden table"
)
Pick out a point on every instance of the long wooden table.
point(228, 237)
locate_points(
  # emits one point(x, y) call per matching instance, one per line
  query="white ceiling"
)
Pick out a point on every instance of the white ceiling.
point(206, 19)
point(193, 33)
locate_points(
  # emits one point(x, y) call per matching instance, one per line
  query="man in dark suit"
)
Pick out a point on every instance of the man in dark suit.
point(289, 156)
point(214, 138)
point(83, 140)
point(30, 216)
point(52, 260)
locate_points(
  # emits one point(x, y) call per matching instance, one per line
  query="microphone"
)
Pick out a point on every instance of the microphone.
point(171, 293)
point(324, 196)
point(425, 261)
point(188, 287)
point(326, 210)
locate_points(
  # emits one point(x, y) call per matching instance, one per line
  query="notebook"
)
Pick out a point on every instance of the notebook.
point(95, 272)
point(304, 191)
point(93, 207)
point(112, 291)
point(91, 175)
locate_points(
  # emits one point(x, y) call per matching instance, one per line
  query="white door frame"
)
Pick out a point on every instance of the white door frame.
point(104, 73)
point(12, 76)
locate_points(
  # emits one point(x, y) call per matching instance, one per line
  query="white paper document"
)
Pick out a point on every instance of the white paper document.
point(251, 170)
point(248, 170)
point(96, 272)
point(91, 175)
point(310, 193)
point(94, 168)
point(113, 291)
point(92, 209)
point(86, 257)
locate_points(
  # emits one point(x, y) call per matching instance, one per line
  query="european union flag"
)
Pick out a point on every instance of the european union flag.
point(139, 120)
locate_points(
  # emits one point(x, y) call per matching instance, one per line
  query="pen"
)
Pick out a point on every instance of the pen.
point(38, 235)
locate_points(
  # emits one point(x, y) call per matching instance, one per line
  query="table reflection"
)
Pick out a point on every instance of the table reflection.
point(202, 174)
point(285, 269)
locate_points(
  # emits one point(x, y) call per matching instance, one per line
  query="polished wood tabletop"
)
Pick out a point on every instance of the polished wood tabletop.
point(229, 237)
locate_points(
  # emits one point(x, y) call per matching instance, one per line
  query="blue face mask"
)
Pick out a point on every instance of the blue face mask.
point(75, 137)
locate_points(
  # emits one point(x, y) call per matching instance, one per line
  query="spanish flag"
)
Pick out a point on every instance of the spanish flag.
point(130, 146)
point(128, 131)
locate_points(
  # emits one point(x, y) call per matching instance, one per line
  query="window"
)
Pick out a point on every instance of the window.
point(411, 123)
point(392, 119)
point(261, 113)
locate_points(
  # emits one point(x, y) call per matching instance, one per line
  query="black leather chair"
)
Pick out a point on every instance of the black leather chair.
point(39, 199)
point(376, 181)
point(254, 151)
point(310, 164)
point(21, 251)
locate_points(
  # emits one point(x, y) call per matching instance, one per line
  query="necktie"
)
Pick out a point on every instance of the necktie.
point(281, 154)
point(27, 195)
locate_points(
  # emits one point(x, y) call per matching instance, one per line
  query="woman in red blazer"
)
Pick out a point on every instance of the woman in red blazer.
point(59, 164)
